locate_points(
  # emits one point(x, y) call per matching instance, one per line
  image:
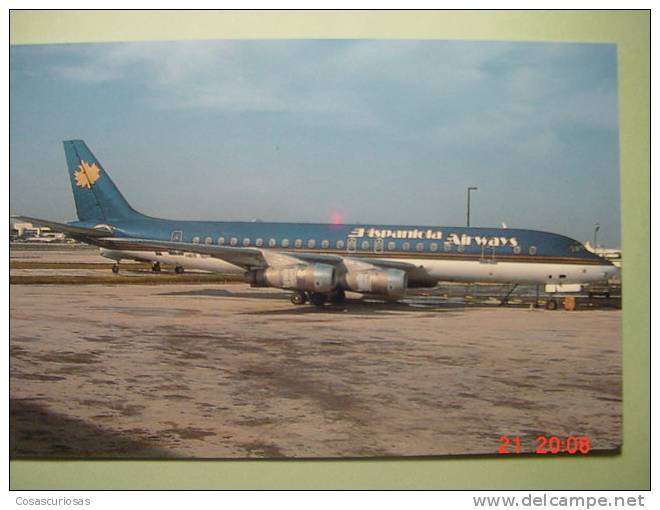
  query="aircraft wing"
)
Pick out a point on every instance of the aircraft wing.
point(237, 255)
point(337, 259)
point(82, 233)
point(249, 257)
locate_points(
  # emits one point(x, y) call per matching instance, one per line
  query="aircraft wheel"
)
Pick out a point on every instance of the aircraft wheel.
point(551, 304)
point(338, 296)
point(115, 268)
point(155, 267)
point(298, 298)
point(178, 269)
point(318, 299)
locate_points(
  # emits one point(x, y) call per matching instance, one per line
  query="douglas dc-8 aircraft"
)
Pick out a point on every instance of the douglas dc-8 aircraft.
point(320, 262)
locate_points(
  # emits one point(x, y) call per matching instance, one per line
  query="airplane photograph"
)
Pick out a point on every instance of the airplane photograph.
point(320, 262)
point(314, 249)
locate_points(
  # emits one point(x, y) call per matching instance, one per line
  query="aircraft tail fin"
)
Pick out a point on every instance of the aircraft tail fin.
point(96, 196)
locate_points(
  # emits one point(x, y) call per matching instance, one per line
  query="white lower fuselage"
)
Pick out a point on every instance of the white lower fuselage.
point(428, 271)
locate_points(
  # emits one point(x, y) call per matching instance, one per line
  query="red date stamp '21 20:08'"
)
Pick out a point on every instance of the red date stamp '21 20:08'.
point(547, 445)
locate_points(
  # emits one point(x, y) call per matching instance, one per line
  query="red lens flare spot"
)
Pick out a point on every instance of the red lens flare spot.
point(337, 219)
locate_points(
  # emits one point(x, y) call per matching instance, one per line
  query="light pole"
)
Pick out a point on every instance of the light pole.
point(596, 235)
point(470, 188)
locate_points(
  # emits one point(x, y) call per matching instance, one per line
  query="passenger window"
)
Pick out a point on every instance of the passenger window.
point(340, 245)
point(420, 246)
point(406, 246)
point(447, 246)
point(311, 243)
point(365, 245)
point(285, 243)
point(325, 243)
point(298, 243)
point(461, 248)
point(221, 240)
point(517, 250)
point(246, 241)
point(208, 240)
point(233, 241)
point(532, 250)
point(195, 240)
point(434, 246)
point(272, 243)
point(259, 242)
point(391, 246)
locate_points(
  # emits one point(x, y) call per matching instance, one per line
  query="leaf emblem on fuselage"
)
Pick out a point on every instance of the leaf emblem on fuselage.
point(87, 174)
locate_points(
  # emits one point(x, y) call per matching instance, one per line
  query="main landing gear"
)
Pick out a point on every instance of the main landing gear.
point(317, 298)
point(115, 268)
point(178, 269)
point(155, 267)
point(551, 304)
point(338, 296)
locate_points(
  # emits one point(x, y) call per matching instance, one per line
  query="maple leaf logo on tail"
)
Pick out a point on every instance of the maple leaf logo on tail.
point(87, 174)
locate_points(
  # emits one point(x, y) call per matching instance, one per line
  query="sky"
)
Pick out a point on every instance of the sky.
point(372, 132)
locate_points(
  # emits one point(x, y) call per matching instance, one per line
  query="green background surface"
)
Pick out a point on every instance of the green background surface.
point(630, 30)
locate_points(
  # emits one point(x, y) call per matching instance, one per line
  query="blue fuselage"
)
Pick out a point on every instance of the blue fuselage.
point(373, 240)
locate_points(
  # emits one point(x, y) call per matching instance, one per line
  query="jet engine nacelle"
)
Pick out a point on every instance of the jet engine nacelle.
point(311, 277)
point(388, 282)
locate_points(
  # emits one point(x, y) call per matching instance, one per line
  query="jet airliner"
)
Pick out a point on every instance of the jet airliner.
point(320, 262)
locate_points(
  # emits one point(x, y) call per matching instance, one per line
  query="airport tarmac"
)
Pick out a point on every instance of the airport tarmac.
point(226, 371)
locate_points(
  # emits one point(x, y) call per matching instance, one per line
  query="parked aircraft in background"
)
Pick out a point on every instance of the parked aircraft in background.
point(319, 262)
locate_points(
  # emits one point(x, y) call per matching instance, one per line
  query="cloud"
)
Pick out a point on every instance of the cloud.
point(361, 78)
point(512, 96)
